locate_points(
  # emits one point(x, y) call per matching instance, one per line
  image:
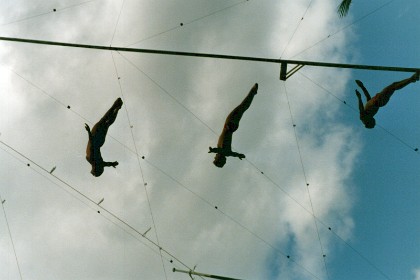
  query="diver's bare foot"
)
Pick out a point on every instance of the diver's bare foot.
point(255, 88)
point(359, 83)
point(118, 103)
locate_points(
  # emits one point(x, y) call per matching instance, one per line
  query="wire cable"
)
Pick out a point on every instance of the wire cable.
point(232, 219)
point(139, 164)
point(189, 189)
point(94, 208)
point(11, 238)
point(116, 25)
point(294, 32)
point(95, 203)
point(186, 23)
point(398, 139)
point(251, 163)
point(49, 95)
point(344, 28)
point(45, 13)
point(167, 93)
point(306, 179)
point(265, 175)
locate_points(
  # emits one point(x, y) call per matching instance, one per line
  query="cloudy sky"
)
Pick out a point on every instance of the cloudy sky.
point(317, 197)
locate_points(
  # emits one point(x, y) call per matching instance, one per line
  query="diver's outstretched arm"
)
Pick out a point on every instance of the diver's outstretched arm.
point(113, 164)
point(362, 86)
point(226, 153)
point(238, 155)
point(361, 106)
point(88, 130)
point(214, 150)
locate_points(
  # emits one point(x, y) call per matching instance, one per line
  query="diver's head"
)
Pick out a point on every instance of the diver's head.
point(97, 170)
point(219, 160)
point(369, 122)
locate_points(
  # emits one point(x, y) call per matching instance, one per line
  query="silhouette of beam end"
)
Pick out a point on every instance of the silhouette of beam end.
point(283, 71)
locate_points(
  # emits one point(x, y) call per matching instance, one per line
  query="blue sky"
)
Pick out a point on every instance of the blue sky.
point(386, 212)
point(387, 208)
point(364, 184)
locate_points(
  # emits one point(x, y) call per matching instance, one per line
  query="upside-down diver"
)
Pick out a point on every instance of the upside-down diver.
point(224, 145)
point(373, 104)
point(97, 139)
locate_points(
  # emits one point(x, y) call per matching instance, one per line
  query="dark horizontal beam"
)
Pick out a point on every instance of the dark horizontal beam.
point(208, 55)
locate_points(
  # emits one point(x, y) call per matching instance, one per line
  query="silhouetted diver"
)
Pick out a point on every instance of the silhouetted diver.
point(224, 145)
point(372, 105)
point(97, 139)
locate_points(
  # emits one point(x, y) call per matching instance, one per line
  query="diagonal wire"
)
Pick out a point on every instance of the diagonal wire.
point(196, 194)
point(294, 32)
point(80, 200)
point(345, 27)
point(138, 161)
point(189, 189)
point(49, 95)
point(232, 219)
point(45, 13)
point(187, 23)
point(267, 177)
point(398, 139)
point(10, 234)
point(167, 93)
point(306, 179)
point(95, 203)
point(118, 20)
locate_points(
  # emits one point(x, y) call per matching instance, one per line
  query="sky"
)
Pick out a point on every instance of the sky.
point(317, 197)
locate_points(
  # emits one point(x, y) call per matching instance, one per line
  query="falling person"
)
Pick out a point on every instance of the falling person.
point(372, 105)
point(97, 139)
point(224, 145)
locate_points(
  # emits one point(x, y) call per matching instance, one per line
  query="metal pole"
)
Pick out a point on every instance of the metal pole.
point(208, 55)
point(191, 272)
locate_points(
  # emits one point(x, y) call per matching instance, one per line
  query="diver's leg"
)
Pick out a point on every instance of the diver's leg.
point(401, 84)
point(100, 129)
point(111, 114)
point(362, 86)
point(99, 132)
point(386, 93)
point(246, 103)
point(237, 113)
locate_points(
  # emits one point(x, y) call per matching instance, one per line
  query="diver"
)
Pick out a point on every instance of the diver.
point(97, 139)
point(372, 105)
point(224, 145)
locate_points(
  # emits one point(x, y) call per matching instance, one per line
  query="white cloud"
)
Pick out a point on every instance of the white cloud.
point(256, 223)
point(416, 273)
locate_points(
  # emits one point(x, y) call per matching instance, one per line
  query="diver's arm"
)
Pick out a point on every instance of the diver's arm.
point(238, 155)
point(113, 164)
point(215, 150)
point(361, 106)
point(88, 130)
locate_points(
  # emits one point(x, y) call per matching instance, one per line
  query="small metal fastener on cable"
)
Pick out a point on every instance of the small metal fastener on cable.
point(144, 234)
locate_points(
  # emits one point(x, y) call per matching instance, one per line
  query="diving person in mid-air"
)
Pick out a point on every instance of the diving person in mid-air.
point(372, 105)
point(224, 145)
point(97, 139)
